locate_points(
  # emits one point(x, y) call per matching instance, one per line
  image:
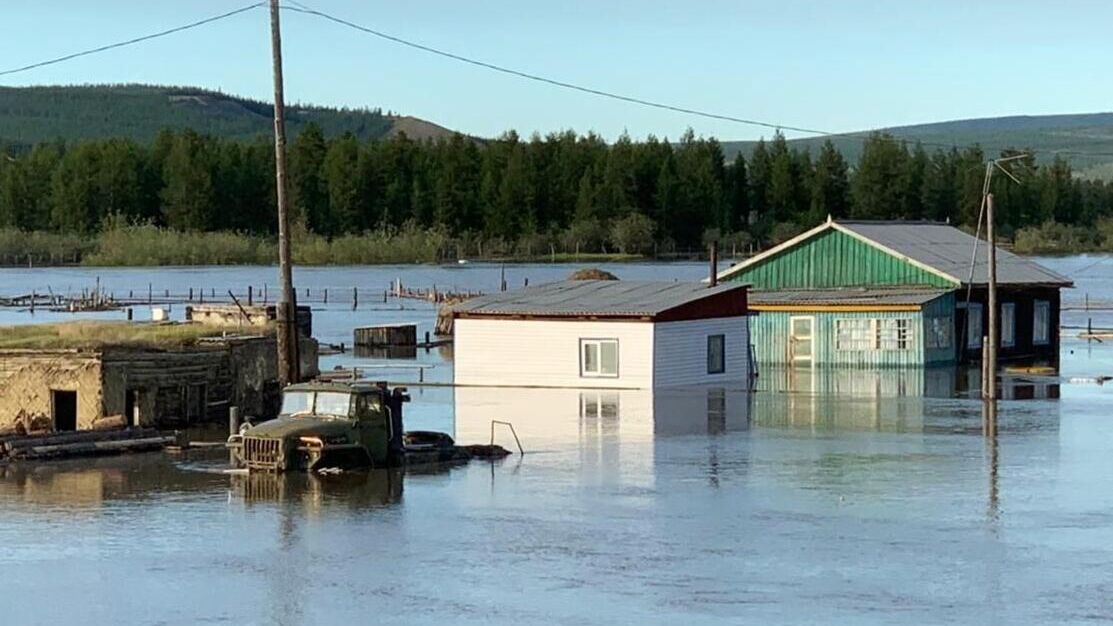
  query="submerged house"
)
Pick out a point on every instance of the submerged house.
point(119, 382)
point(894, 294)
point(604, 334)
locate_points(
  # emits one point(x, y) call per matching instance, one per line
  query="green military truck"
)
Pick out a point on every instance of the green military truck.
point(326, 425)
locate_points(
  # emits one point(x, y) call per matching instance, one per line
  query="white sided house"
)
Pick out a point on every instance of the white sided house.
point(604, 334)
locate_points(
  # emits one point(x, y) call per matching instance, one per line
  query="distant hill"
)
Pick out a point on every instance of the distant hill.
point(30, 115)
point(1087, 132)
point(415, 128)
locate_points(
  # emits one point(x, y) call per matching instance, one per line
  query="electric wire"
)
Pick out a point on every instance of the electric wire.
point(129, 42)
point(299, 7)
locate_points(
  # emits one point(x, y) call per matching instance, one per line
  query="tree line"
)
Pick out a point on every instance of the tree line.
point(562, 190)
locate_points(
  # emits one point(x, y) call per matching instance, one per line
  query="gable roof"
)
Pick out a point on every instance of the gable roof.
point(938, 248)
point(610, 299)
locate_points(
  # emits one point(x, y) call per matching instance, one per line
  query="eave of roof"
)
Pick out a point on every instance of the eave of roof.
point(848, 296)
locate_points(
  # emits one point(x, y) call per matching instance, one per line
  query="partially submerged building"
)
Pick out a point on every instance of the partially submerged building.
point(894, 294)
point(236, 314)
point(604, 334)
point(119, 383)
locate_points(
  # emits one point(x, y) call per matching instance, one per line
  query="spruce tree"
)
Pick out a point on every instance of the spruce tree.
point(308, 191)
point(738, 215)
point(830, 186)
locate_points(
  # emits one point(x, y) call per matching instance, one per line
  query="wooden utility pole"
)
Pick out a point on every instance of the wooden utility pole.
point(286, 310)
point(991, 353)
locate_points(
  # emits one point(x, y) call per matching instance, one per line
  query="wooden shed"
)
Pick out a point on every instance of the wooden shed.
point(895, 293)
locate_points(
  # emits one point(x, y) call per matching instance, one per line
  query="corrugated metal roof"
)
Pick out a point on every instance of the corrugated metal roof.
point(594, 298)
point(849, 296)
point(947, 249)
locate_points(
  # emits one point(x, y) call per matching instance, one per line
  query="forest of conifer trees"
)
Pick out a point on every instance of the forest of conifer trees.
point(562, 192)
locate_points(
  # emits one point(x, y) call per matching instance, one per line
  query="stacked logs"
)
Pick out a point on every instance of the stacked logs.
point(85, 443)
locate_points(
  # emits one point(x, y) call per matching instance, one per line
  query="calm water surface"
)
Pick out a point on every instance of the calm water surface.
point(855, 508)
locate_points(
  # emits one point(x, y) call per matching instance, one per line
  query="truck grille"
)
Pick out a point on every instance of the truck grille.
point(261, 453)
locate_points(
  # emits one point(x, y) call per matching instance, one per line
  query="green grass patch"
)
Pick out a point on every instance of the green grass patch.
point(19, 247)
point(149, 245)
point(92, 335)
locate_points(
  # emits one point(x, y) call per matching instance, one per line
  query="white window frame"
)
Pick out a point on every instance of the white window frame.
point(1008, 324)
point(1041, 329)
point(894, 330)
point(974, 339)
point(860, 330)
point(598, 343)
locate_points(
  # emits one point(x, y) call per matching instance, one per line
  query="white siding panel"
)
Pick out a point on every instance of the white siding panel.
point(545, 353)
point(681, 351)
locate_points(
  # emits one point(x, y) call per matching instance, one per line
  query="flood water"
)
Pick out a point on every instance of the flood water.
point(879, 504)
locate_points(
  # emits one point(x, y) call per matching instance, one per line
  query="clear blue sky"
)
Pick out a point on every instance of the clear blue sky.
point(839, 66)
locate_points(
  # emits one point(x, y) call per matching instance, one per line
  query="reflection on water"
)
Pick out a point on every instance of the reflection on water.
point(890, 399)
point(385, 352)
point(316, 493)
point(550, 415)
point(854, 502)
point(93, 482)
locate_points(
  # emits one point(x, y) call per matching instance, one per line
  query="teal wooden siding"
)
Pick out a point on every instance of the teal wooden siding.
point(769, 332)
point(834, 259)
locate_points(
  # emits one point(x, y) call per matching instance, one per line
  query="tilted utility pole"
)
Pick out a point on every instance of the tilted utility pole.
point(286, 310)
point(992, 338)
point(991, 356)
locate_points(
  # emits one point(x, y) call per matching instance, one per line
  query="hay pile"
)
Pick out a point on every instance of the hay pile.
point(591, 273)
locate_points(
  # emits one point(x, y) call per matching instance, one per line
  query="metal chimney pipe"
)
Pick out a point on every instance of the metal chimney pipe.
point(714, 262)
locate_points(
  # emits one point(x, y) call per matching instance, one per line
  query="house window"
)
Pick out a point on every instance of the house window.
point(939, 333)
point(1041, 323)
point(894, 334)
point(854, 334)
point(716, 354)
point(1008, 325)
point(599, 358)
point(974, 326)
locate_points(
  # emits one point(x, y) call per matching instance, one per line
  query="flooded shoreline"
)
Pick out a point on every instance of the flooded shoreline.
point(604, 520)
point(862, 497)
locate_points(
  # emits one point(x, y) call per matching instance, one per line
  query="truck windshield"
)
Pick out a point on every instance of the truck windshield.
point(295, 402)
point(333, 403)
point(336, 403)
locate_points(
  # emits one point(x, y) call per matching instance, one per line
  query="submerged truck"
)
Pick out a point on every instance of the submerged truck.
point(327, 425)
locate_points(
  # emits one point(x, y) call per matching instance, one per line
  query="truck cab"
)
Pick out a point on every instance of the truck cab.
point(326, 425)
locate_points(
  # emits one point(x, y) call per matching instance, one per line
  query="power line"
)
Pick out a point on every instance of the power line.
point(129, 42)
point(862, 135)
point(302, 8)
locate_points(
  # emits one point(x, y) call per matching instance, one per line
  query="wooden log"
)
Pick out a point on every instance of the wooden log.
point(111, 422)
point(27, 441)
point(93, 448)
